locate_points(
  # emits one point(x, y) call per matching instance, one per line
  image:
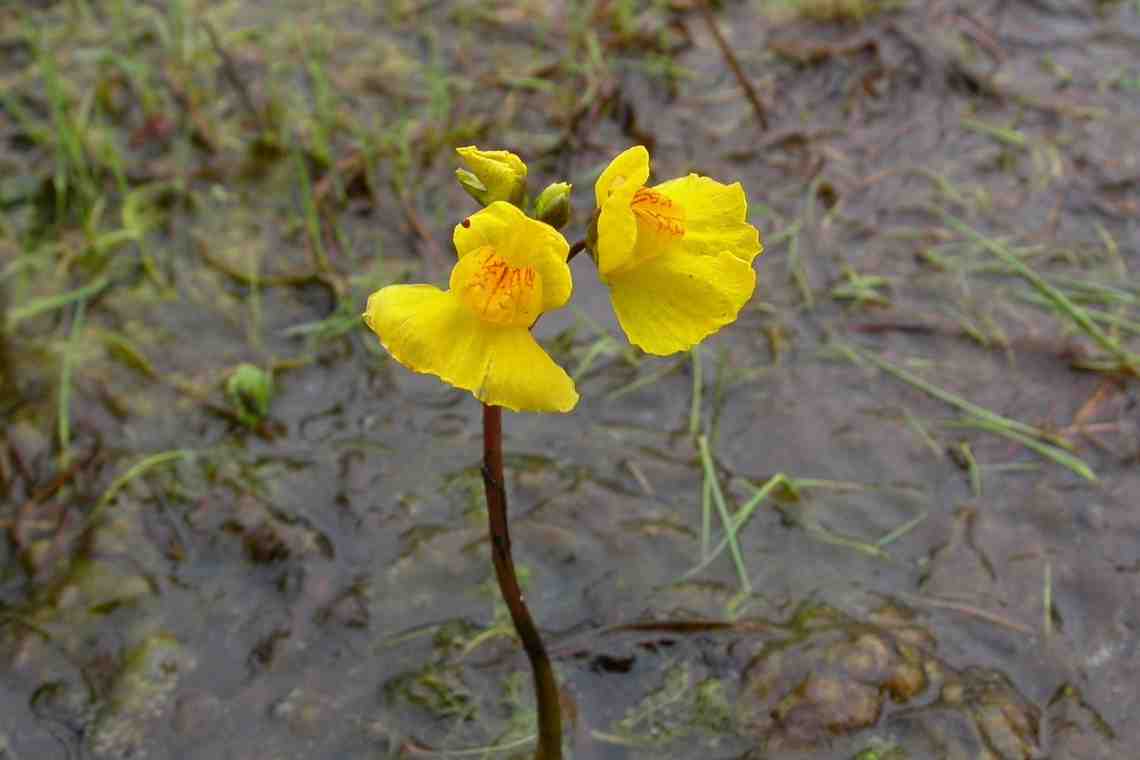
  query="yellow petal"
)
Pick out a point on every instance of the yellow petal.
point(491, 226)
point(521, 242)
point(522, 377)
point(715, 216)
point(617, 225)
point(415, 324)
point(617, 232)
point(631, 167)
point(673, 301)
point(432, 331)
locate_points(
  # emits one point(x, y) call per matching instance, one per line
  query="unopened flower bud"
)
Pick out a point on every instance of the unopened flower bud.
point(492, 175)
point(553, 205)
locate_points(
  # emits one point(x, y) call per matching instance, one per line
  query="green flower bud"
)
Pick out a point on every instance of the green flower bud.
point(250, 390)
point(553, 205)
point(492, 175)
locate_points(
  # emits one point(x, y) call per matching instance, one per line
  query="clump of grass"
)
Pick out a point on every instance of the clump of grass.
point(1064, 307)
point(861, 289)
point(712, 496)
point(1036, 439)
point(832, 11)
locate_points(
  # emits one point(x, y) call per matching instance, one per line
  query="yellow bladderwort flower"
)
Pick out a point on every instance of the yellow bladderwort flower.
point(677, 257)
point(492, 175)
point(476, 335)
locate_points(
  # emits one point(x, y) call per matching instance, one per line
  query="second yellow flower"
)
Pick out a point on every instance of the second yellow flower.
point(677, 257)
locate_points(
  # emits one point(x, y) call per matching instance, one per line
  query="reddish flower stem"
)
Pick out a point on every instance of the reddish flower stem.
point(545, 687)
point(575, 250)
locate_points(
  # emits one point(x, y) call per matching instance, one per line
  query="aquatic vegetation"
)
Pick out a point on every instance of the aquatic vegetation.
point(946, 193)
point(677, 258)
point(250, 389)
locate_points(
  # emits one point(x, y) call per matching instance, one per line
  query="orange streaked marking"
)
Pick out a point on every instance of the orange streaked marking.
point(503, 294)
point(662, 212)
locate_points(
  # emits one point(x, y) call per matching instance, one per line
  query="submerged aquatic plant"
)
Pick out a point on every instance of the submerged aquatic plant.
point(250, 390)
point(677, 258)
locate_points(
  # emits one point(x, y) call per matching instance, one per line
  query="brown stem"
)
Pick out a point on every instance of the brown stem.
point(545, 687)
point(575, 250)
point(730, 58)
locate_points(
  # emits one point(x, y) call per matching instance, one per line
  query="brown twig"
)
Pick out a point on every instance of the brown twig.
point(1104, 392)
point(545, 687)
point(730, 58)
point(229, 70)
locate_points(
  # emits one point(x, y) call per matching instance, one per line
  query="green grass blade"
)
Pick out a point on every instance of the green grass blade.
point(645, 380)
point(48, 303)
point(972, 469)
point(816, 530)
point(1096, 315)
point(698, 387)
point(706, 517)
point(601, 346)
point(902, 530)
point(138, 468)
point(1059, 456)
point(738, 520)
point(726, 518)
point(64, 419)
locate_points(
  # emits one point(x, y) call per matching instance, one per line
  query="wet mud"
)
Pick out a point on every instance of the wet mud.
point(926, 421)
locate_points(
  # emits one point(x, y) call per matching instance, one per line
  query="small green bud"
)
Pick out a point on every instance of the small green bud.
point(553, 205)
point(492, 175)
point(250, 390)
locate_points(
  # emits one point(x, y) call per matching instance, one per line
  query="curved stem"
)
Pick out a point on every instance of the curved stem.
point(545, 687)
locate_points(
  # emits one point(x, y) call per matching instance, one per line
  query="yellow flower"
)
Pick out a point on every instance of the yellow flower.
point(495, 175)
point(476, 335)
point(677, 257)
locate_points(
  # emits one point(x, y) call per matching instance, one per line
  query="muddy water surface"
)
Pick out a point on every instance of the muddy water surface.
point(176, 583)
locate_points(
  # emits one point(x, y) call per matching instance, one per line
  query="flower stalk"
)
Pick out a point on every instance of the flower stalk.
point(545, 687)
point(676, 256)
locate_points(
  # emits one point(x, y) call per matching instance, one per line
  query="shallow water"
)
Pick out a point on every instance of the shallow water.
point(178, 585)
